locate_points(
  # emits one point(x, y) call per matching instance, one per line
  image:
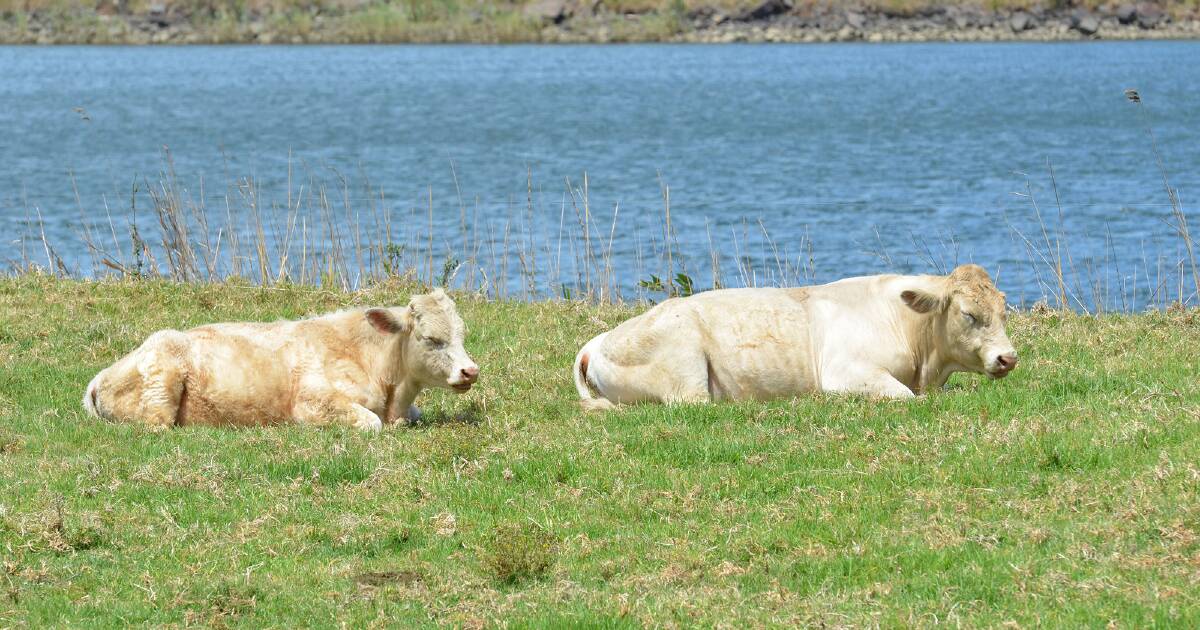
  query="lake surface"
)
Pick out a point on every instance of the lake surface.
point(854, 158)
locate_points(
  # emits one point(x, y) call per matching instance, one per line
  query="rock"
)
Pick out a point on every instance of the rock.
point(1084, 22)
point(1020, 21)
point(855, 20)
point(768, 9)
point(1089, 25)
point(1126, 13)
point(832, 22)
point(548, 11)
point(158, 15)
point(875, 37)
point(789, 21)
point(1149, 15)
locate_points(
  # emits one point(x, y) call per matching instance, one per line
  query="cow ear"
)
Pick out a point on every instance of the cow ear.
point(419, 303)
point(921, 301)
point(388, 321)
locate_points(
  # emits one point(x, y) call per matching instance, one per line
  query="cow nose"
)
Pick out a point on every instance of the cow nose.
point(1007, 361)
point(470, 374)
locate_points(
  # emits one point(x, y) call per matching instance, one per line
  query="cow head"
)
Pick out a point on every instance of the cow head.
point(434, 355)
point(969, 320)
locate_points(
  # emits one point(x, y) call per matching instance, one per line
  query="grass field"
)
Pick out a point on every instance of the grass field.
point(1065, 495)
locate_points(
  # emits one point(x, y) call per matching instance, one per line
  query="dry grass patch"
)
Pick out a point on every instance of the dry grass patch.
point(517, 552)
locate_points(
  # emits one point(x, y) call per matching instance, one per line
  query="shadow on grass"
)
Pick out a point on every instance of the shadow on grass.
point(472, 416)
point(383, 578)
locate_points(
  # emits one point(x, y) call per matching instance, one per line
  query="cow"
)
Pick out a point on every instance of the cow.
point(889, 336)
point(361, 368)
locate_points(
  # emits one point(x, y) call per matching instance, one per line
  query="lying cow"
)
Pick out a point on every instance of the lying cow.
point(359, 368)
point(891, 336)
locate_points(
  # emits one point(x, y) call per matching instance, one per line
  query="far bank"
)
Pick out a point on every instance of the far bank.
point(583, 21)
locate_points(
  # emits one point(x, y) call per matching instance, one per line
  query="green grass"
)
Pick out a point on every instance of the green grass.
point(1065, 495)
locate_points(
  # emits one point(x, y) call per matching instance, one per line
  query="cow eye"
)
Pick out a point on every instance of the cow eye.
point(435, 343)
point(970, 319)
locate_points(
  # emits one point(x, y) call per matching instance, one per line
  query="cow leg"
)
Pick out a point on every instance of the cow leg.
point(869, 381)
point(688, 388)
point(402, 408)
point(685, 381)
point(687, 397)
point(333, 408)
point(364, 419)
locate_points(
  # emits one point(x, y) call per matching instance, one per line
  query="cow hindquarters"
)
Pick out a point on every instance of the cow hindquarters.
point(585, 382)
point(148, 385)
point(91, 396)
point(672, 374)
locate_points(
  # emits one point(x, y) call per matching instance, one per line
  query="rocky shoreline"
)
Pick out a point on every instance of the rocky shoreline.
point(582, 21)
point(956, 23)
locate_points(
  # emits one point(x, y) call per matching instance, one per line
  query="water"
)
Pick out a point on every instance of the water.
point(889, 157)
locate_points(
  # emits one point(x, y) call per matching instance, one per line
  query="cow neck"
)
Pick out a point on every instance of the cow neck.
point(390, 365)
point(385, 364)
point(930, 367)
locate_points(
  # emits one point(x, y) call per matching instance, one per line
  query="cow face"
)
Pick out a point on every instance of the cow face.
point(434, 355)
point(971, 318)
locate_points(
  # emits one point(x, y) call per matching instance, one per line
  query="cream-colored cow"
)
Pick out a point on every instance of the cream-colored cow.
point(892, 336)
point(359, 368)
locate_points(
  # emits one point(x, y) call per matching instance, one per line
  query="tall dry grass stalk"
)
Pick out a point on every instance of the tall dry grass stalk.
point(1178, 220)
point(330, 230)
point(337, 232)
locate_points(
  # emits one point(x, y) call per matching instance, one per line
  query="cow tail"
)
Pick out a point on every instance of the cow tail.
point(90, 397)
point(588, 400)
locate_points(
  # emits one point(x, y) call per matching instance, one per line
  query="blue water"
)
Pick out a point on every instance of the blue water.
point(887, 157)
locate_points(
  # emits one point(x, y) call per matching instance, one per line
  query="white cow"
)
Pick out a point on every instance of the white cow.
point(359, 368)
point(892, 336)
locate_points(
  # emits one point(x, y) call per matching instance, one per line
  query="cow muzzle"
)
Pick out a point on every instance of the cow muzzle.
point(1002, 364)
point(464, 379)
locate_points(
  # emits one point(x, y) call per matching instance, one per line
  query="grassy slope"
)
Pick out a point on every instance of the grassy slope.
point(1066, 494)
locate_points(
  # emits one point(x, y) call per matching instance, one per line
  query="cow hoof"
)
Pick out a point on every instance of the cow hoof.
point(372, 424)
point(414, 415)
